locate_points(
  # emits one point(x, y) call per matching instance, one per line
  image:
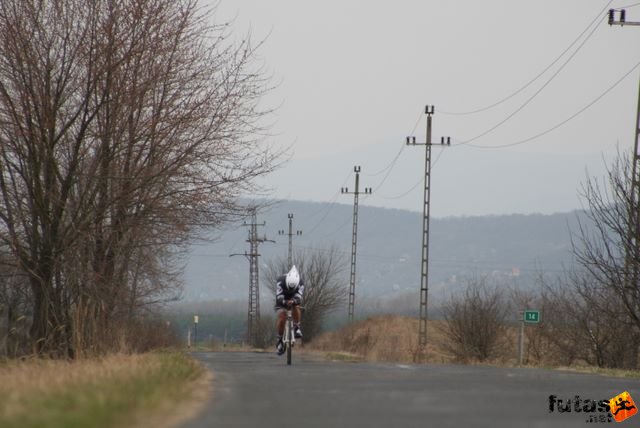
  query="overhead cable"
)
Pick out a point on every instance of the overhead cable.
point(535, 94)
point(558, 125)
point(534, 79)
point(412, 188)
point(329, 207)
point(395, 159)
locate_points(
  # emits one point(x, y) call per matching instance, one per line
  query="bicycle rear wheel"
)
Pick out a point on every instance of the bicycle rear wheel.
point(289, 342)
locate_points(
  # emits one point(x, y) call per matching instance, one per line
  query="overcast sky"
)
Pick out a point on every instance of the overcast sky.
point(354, 77)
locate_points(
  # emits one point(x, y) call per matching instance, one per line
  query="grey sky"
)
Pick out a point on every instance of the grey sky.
point(355, 77)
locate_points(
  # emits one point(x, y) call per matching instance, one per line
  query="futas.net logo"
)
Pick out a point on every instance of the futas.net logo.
point(622, 407)
point(618, 408)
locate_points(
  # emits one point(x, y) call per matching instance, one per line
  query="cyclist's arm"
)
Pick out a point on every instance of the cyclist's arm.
point(297, 298)
point(280, 300)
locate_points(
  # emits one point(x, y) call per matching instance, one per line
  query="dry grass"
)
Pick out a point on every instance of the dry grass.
point(114, 391)
point(394, 338)
point(38, 378)
point(382, 338)
point(632, 374)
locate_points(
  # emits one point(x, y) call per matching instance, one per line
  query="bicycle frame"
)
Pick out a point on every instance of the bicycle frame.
point(289, 338)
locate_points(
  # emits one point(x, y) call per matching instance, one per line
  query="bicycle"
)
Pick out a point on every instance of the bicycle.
point(289, 338)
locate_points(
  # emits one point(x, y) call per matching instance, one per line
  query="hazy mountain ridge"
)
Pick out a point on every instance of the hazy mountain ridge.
point(389, 248)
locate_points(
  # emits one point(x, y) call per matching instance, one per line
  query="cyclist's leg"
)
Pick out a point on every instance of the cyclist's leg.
point(297, 314)
point(282, 318)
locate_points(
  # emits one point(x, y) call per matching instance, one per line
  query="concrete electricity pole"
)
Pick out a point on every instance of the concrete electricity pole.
point(253, 312)
point(424, 270)
point(354, 238)
point(298, 233)
point(633, 250)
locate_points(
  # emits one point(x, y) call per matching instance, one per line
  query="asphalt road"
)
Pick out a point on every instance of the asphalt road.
point(260, 390)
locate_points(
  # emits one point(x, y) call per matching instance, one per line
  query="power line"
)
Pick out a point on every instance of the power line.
point(391, 165)
point(395, 159)
point(338, 228)
point(558, 125)
point(535, 94)
point(329, 207)
point(442, 262)
point(530, 82)
point(434, 261)
point(327, 211)
point(208, 255)
point(415, 185)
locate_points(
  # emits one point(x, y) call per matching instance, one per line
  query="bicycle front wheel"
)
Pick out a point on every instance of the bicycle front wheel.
point(289, 342)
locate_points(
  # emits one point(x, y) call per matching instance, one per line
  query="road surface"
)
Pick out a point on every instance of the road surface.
point(260, 390)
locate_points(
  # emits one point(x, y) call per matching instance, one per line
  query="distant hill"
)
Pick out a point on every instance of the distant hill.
point(509, 247)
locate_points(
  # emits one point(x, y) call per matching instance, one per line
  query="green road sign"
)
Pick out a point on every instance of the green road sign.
point(532, 316)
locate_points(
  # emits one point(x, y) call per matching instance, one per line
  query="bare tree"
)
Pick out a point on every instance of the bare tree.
point(264, 335)
point(14, 309)
point(325, 289)
point(608, 249)
point(582, 324)
point(126, 125)
point(474, 321)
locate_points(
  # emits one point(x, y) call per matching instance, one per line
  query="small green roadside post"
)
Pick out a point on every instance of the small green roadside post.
point(195, 330)
point(530, 317)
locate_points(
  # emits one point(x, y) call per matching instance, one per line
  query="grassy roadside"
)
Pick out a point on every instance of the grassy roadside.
point(631, 374)
point(116, 391)
point(392, 338)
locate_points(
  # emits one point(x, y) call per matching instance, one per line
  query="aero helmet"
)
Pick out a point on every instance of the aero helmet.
point(293, 278)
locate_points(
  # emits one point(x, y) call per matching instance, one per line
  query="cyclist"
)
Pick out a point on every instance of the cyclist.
point(289, 290)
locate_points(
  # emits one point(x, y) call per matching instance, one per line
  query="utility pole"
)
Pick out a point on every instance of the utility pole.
point(298, 233)
point(633, 249)
point(424, 270)
point(253, 312)
point(354, 238)
point(195, 330)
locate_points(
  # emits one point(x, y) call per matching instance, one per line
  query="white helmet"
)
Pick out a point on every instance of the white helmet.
point(293, 278)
